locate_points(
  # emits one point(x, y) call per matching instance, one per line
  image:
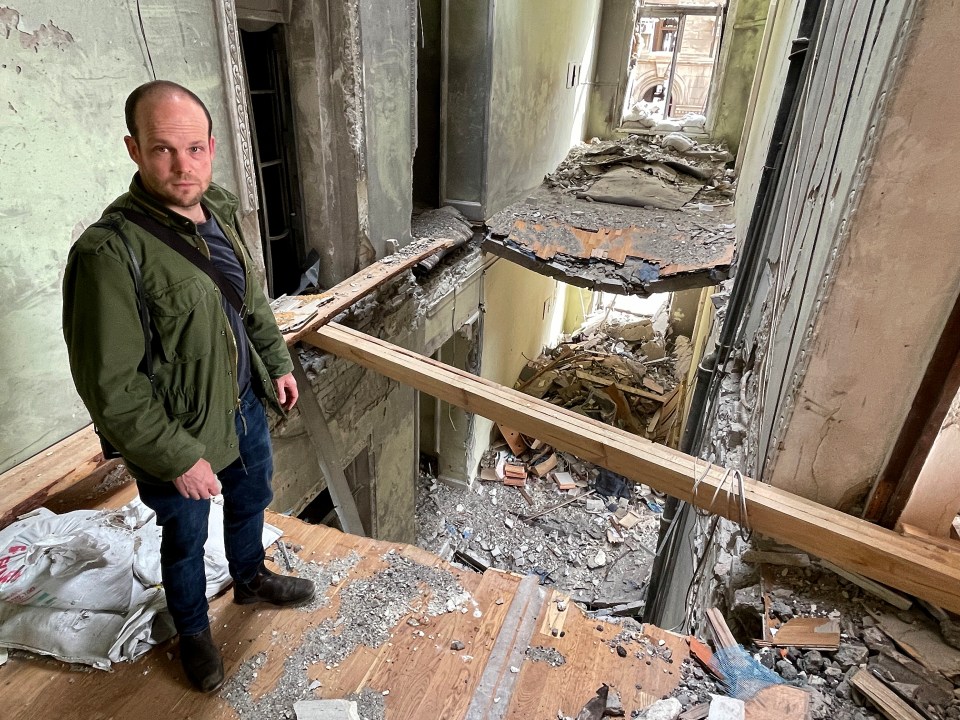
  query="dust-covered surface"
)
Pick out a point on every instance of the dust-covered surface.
point(368, 609)
point(567, 547)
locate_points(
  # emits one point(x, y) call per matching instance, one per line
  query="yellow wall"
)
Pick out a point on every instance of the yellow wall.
point(515, 326)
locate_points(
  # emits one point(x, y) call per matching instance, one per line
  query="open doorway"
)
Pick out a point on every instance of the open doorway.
point(426, 161)
point(274, 158)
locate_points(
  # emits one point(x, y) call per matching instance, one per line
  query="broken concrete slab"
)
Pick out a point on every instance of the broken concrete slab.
point(326, 710)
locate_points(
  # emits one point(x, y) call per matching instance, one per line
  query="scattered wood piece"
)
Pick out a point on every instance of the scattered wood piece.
point(528, 518)
point(526, 496)
point(874, 588)
point(814, 633)
point(779, 702)
point(595, 379)
point(514, 440)
point(653, 385)
point(626, 518)
point(546, 466)
point(702, 653)
point(883, 698)
point(789, 559)
point(721, 632)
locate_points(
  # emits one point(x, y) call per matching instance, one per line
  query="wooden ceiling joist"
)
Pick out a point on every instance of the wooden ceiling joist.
point(909, 564)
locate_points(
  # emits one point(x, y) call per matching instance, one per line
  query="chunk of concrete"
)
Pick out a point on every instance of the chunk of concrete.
point(668, 709)
point(726, 708)
point(326, 710)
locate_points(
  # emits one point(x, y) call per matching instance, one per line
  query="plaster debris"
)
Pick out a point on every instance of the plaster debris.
point(551, 656)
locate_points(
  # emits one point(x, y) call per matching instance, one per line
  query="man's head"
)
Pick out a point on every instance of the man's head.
point(171, 142)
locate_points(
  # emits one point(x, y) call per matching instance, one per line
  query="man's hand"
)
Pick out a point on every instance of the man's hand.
point(199, 482)
point(286, 391)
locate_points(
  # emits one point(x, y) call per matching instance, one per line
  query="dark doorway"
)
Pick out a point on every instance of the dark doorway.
point(275, 159)
point(426, 162)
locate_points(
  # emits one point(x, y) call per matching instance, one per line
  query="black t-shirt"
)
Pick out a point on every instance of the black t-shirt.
point(225, 260)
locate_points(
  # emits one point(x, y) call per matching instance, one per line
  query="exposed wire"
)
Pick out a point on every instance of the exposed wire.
point(146, 44)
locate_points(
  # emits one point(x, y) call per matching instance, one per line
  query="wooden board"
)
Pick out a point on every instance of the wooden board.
point(908, 564)
point(356, 286)
point(818, 633)
point(883, 698)
point(778, 702)
point(28, 485)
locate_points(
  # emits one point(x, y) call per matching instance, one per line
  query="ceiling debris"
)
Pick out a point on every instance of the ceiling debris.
point(626, 216)
point(623, 373)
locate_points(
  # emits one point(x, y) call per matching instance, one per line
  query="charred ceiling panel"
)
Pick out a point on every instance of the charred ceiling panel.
point(626, 216)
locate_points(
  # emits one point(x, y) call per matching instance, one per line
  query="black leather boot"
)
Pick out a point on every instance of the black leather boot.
point(201, 661)
point(281, 590)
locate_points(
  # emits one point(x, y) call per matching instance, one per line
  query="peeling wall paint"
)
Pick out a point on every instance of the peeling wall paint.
point(65, 70)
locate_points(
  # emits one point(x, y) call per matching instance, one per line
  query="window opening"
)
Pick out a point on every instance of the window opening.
point(672, 60)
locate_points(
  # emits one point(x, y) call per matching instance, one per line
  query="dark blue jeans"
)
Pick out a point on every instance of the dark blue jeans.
point(246, 494)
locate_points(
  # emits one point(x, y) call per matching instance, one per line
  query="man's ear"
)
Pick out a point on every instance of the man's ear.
point(133, 150)
point(213, 144)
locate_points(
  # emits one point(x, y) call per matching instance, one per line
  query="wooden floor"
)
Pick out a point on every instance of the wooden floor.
point(421, 676)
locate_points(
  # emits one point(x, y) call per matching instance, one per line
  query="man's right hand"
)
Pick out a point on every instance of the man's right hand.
point(199, 482)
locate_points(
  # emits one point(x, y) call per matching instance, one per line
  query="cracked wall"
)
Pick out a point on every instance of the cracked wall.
point(65, 70)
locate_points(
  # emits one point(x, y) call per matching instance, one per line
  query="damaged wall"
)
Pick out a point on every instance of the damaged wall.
point(534, 117)
point(892, 288)
point(65, 71)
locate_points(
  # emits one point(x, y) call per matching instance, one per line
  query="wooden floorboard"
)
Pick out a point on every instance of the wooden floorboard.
point(424, 676)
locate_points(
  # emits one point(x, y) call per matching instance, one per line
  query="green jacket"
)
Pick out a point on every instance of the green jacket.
point(188, 413)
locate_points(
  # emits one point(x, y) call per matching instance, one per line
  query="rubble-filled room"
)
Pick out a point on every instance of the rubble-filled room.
point(608, 356)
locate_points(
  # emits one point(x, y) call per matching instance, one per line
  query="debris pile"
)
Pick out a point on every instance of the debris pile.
point(638, 171)
point(807, 642)
point(624, 374)
point(593, 540)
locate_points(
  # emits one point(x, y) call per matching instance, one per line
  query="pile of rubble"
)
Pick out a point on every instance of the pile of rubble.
point(675, 158)
point(622, 373)
point(588, 532)
point(838, 639)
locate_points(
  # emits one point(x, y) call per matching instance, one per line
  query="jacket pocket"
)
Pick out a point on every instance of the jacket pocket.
point(182, 319)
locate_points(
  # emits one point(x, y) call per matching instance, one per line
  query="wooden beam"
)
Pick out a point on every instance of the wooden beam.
point(935, 499)
point(28, 485)
point(346, 293)
point(906, 563)
point(883, 698)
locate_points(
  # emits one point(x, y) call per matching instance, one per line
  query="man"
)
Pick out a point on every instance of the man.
point(198, 425)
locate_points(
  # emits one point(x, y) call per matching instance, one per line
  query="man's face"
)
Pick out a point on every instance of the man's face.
point(174, 152)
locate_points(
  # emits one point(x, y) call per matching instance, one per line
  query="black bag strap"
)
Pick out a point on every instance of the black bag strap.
point(141, 300)
point(171, 238)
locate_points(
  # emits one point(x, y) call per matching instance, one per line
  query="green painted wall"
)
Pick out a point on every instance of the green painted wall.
point(65, 70)
point(737, 68)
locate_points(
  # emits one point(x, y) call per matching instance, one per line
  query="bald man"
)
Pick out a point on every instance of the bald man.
point(187, 414)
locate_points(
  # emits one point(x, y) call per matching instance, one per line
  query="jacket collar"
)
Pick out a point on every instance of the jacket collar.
point(216, 201)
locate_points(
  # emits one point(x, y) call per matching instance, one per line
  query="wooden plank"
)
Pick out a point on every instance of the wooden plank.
point(807, 632)
point(356, 286)
point(778, 702)
point(325, 448)
point(28, 485)
point(883, 698)
point(874, 588)
point(721, 632)
point(935, 499)
point(907, 564)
